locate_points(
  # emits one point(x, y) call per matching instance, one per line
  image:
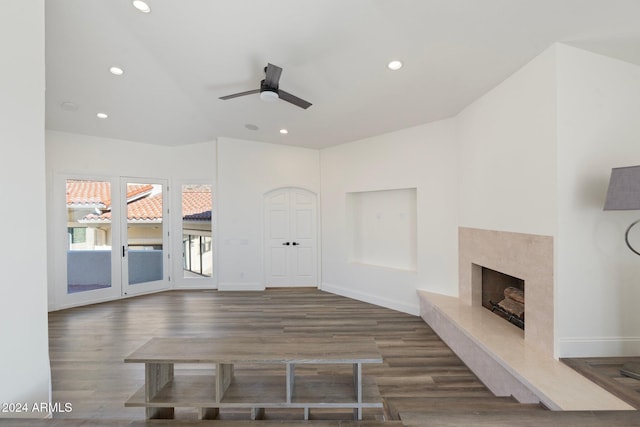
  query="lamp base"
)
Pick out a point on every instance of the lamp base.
point(626, 237)
point(631, 369)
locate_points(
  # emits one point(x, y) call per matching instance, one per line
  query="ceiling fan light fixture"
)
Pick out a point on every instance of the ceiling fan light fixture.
point(269, 95)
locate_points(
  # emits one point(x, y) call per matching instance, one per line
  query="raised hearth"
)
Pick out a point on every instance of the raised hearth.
point(497, 353)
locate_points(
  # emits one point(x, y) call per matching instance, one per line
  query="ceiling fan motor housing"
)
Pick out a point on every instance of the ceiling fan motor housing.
point(264, 86)
point(268, 94)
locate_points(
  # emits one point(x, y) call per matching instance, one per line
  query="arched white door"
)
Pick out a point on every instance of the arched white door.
point(291, 252)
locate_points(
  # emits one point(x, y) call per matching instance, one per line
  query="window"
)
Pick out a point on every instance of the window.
point(77, 235)
point(197, 245)
point(88, 235)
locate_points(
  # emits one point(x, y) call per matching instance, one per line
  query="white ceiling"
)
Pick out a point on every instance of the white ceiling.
point(182, 56)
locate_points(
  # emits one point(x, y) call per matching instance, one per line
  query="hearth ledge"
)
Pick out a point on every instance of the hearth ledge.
point(497, 354)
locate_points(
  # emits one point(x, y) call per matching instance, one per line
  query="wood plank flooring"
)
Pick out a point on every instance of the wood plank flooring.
point(420, 380)
point(88, 344)
point(605, 371)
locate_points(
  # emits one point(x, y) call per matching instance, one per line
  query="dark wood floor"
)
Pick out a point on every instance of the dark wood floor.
point(421, 380)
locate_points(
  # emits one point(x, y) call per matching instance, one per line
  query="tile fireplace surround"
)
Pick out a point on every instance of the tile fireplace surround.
point(508, 360)
point(526, 256)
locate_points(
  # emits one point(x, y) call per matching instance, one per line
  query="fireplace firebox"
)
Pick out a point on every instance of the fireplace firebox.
point(503, 295)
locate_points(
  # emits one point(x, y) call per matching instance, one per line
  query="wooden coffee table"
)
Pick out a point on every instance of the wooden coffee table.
point(163, 391)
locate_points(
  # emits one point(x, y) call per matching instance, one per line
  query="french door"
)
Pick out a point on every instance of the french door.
point(144, 234)
point(116, 240)
point(291, 238)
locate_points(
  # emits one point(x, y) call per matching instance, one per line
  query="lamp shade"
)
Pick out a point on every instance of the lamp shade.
point(624, 189)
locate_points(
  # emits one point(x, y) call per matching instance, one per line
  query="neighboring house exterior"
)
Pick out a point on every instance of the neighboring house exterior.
point(89, 220)
point(197, 243)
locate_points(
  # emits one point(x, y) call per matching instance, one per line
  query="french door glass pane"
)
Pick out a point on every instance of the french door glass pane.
point(88, 235)
point(197, 247)
point(144, 232)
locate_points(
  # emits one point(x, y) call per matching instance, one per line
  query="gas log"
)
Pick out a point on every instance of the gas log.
point(512, 306)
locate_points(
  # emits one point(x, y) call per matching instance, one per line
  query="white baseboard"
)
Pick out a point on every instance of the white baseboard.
point(240, 286)
point(194, 288)
point(599, 347)
point(413, 309)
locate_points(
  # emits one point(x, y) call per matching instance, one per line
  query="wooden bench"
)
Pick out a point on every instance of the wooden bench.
point(163, 391)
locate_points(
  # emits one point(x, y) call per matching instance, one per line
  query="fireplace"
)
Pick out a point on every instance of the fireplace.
point(503, 295)
point(508, 360)
point(526, 256)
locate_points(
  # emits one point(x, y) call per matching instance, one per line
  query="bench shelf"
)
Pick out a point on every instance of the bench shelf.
point(233, 387)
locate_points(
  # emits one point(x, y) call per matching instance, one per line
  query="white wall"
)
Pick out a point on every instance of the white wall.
point(247, 170)
point(507, 143)
point(535, 157)
point(82, 155)
point(598, 277)
point(73, 153)
point(24, 360)
point(423, 157)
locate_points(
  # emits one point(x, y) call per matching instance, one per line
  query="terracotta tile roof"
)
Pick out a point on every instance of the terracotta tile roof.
point(98, 193)
point(145, 209)
point(92, 193)
point(196, 205)
point(137, 190)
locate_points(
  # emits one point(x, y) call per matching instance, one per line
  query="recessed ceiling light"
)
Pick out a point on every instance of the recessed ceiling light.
point(284, 131)
point(116, 71)
point(251, 126)
point(394, 65)
point(69, 106)
point(141, 6)
point(102, 115)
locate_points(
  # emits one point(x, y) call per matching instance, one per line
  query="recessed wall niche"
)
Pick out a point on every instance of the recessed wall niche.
point(382, 228)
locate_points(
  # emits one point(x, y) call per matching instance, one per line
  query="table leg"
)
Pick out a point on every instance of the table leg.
point(357, 386)
point(257, 414)
point(157, 375)
point(209, 413)
point(291, 377)
point(357, 381)
point(357, 414)
point(224, 374)
point(160, 413)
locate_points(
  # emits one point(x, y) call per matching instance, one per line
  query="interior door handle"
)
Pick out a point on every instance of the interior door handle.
point(295, 243)
point(287, 243)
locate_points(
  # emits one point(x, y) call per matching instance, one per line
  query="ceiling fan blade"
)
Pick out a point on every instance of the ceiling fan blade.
point(235, 95)
point(272, 77)
point(286, 96)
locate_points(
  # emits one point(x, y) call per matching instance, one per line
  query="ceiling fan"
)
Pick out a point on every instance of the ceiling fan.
point(269, 90)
